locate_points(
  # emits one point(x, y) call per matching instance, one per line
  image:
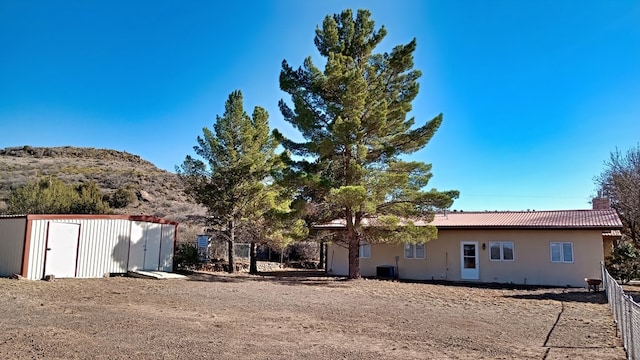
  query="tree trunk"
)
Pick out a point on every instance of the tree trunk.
point(354, 258)
point(321, 263)
point(253, 261)
point(326, 257)
point(353, 240)
point(230, 246)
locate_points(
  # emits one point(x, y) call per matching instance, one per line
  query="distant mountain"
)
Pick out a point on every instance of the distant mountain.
point(158, 192)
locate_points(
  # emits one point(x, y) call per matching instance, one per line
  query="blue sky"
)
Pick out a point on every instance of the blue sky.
point(535, 94)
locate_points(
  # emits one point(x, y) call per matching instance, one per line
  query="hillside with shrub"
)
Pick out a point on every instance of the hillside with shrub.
point(128, 183)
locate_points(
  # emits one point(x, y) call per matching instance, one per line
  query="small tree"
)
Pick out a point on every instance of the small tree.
point(620, 183)
point(624, 262)
point(233, 180)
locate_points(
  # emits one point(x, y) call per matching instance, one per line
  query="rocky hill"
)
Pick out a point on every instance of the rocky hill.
point(158, 192)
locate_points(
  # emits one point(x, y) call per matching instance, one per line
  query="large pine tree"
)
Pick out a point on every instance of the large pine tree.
point(232, 179)
point(353, 117)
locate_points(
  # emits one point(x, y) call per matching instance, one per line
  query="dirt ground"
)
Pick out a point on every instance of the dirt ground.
point(298, 315)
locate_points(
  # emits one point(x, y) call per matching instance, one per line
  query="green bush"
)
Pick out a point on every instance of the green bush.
point(624, 263)
point(122, 197)
point(50, 195)
point(185, 257)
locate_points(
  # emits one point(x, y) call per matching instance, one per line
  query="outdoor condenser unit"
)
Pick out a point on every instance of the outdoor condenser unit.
point(386, 271)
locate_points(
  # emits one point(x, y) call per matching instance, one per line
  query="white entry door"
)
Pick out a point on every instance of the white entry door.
point(144, 251)
point(152, 247)
point(62, 249)
point(469, 262)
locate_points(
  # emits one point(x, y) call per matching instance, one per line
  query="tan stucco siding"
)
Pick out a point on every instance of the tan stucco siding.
point(532, 257)
point(337, 260)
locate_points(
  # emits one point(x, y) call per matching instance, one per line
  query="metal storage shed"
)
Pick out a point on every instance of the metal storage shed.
point(84, 246)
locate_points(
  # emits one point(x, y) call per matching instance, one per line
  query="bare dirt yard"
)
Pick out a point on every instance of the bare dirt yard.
point(298, 315)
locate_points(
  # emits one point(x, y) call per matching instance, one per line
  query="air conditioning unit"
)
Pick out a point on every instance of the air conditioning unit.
point(386, 271)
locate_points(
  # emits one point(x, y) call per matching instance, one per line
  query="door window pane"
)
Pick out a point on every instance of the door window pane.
point(469, 250)
point(469, 262)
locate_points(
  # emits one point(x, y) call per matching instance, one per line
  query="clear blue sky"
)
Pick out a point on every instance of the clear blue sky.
point(535, 94)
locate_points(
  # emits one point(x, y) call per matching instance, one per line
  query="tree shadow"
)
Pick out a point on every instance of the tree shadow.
point(593, 297)
point(284, 277)
point(478, 285)
point(120, 254)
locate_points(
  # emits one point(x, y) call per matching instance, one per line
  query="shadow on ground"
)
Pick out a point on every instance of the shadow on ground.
point(321, 278)
point(286, 277)
point(598, 297)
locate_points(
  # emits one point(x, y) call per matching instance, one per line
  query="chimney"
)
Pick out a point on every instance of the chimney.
point(601, 203)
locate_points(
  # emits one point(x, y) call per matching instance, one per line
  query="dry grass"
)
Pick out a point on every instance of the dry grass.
point(298, 315)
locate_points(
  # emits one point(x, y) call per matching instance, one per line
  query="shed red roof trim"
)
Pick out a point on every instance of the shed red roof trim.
point(145, 218)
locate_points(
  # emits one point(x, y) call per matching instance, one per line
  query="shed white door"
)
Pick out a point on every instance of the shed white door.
point(469, 261)
point(62, 249)
point(144, 251)
point(152, 247)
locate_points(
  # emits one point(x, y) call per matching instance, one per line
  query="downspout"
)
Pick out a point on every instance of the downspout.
point(397, 268)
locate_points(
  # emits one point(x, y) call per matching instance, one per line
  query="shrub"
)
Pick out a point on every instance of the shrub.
point(122, 197)
point(186, 256)
point(51, 196)
point(303, 250)
point(624, 263)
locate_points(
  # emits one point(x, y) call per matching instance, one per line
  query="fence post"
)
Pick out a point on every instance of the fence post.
point(627, 315)
point(630, 303)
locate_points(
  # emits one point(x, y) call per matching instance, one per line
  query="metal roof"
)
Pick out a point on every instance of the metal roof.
point(557, 219)
point(146, 218)
point(531, 219)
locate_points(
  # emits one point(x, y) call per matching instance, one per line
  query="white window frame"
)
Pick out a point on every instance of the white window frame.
point(561, 244)
point(362, 252)
point(501, 245)
point(414, 251)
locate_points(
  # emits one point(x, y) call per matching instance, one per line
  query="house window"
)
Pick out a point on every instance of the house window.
point(364, 251)
point(562, 252)
point(414, 251)
point(501, 250)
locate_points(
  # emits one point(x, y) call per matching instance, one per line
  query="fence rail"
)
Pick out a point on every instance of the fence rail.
point(626, 313)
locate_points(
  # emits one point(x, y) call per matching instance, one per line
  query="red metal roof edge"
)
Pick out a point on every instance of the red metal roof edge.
point(498, 227)
point(147, 218)
point(601, 221)
point(531, 227)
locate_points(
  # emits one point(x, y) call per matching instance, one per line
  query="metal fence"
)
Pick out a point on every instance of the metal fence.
point(626, 313)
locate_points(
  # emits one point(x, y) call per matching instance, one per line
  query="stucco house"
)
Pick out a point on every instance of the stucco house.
point(557, 248)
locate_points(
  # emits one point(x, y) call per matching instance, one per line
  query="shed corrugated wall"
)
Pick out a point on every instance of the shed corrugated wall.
point(12, 232)
point(103, 246)
point(37, 244)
